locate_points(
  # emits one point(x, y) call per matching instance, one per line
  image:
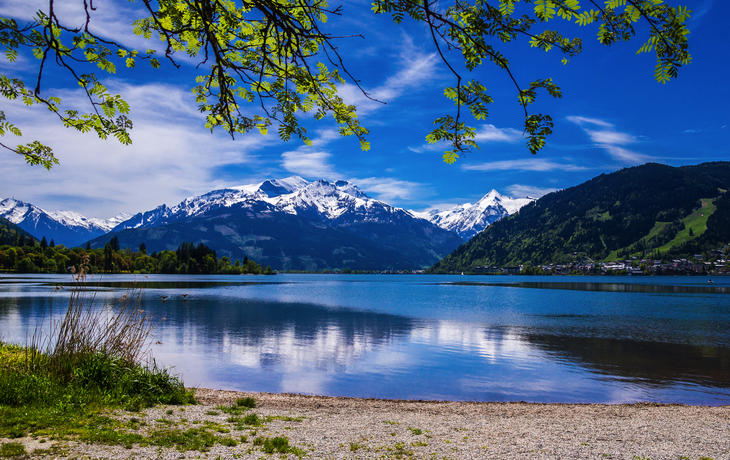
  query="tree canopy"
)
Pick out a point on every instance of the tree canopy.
point(276, 56)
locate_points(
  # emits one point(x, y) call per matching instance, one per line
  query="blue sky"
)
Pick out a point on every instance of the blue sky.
point(612, 115)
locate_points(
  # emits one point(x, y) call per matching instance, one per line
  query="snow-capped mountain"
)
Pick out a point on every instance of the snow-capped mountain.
point(468, 219)
point(323, 200)
point(293, 224)
point(64, 227)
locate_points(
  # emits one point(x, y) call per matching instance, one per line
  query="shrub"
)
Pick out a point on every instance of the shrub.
point(92, 356)
point(246, 402)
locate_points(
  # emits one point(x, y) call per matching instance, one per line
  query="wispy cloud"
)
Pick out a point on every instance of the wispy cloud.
point(417, 68)
point(520, 190)
point(610, 137)
point(172, 156)
point(490, 133)
point(589, 121)
point(485, 134)
point(312, 164)
point(696, 19)
point(389, 189)
point(313, 161)
point(610, 140)
point(111, 20)
point(536, 164)
point(627, 156)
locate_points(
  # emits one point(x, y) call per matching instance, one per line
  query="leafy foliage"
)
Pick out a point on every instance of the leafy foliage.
point(475, 28)
point(276, 55)
point(634, 210)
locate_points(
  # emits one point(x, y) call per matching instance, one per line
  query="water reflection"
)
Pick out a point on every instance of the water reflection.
point(607, 287)
point(649, 362)
point(415, 340)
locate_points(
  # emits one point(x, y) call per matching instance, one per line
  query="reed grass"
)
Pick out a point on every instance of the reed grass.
point(119, 331)
point(95, 357)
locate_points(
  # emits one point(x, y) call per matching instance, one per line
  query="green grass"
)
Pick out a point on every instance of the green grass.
point(355, 446)
point(97, 381)
point(11, 449)
point(658, 227)
point(697, 221)
point(278, 444)
point(247, 402)
point(88, 364)
point(71, 394)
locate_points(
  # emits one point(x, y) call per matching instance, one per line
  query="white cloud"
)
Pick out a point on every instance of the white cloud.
point(610, 140)
point(520, 190)
point(417, 68)
point(172, 156)
point(486, 133)
point(490, 133)
point(610, 137)
point(620, 153)
point(111, 20)
point(313, 161)
point(388, 189)
point(580, 121)
point(312, 164)
point(536, 164)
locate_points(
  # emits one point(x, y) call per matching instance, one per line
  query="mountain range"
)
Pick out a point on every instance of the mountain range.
point(286, 223)
point(64, 227)
point(292, 224)
point(647, 211)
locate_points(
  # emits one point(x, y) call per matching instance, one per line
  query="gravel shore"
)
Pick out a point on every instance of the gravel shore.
point(348, 428)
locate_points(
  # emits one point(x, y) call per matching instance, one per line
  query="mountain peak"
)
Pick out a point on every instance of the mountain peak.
point(274, 187)
point(468, 219)
point(65, 227)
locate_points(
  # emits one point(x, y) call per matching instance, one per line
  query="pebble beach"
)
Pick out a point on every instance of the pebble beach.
point(320, 427)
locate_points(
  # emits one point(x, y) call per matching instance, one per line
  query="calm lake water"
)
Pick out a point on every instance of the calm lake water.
point(483, 338)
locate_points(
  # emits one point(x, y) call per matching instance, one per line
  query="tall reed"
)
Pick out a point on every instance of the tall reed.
point(95, 354)
point(119, 330)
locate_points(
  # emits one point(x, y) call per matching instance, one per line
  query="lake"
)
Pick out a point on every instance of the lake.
point(480, 338)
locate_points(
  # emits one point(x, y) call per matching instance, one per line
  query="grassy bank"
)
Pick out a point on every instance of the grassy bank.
point(75, 370)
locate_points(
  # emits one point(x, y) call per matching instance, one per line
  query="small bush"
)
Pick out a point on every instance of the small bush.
point(248, 402)
point(252, 419)
point(12, 449)
point(270, 445)
point(230, 442)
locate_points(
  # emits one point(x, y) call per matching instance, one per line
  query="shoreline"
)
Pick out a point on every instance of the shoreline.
point(211, 395)
point(326, 427)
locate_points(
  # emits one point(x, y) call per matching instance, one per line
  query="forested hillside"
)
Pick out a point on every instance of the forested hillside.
point(651, 209)
point(11, 234)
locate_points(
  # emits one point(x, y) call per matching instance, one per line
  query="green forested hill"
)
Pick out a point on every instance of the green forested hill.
point(637, 210)
point(9, 233)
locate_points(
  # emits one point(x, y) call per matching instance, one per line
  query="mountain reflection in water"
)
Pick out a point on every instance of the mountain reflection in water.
point(408, 337)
